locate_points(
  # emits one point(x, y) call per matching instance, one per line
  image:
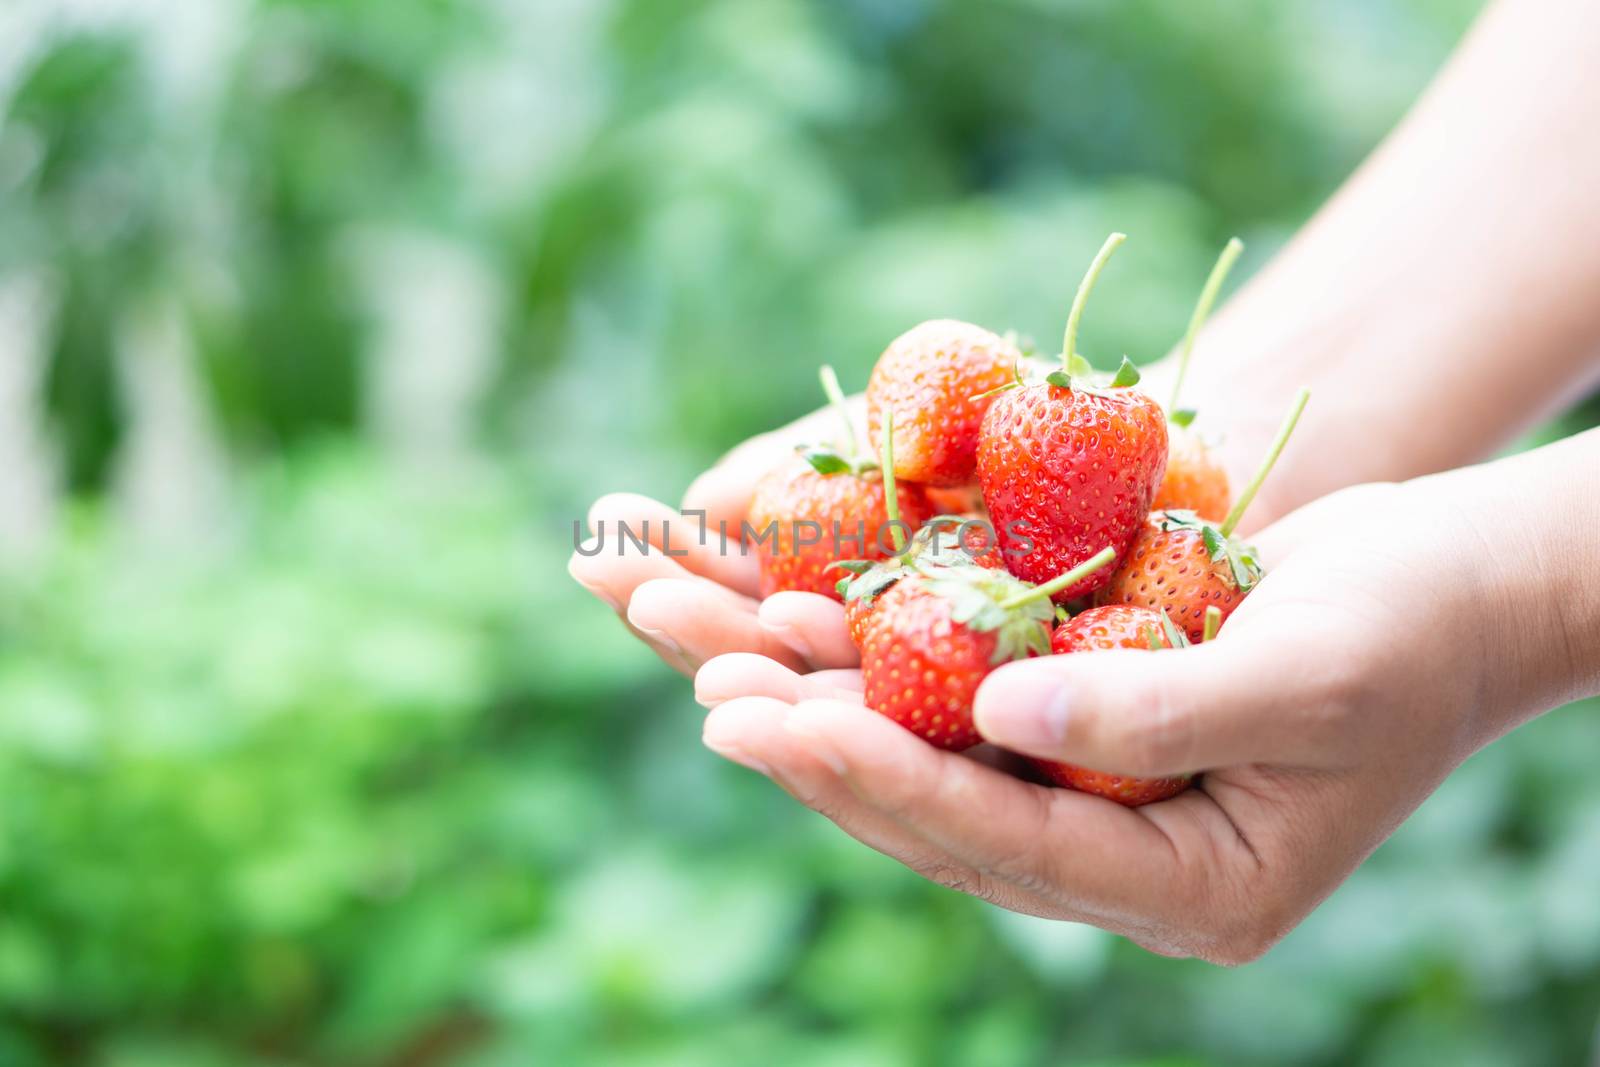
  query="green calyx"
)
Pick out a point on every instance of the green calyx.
point(1075, 372)
point(825, 460)
point(844, 456)
point(1168, 636)
point(1212, 623)
point(936, 546)
point(991, 601)
point(1241, 558)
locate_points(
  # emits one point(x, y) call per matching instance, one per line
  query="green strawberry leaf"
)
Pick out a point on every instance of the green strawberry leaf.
point(1183, 417)
point(825, 460)
point(1059, 378)
point(1127, 374)
point(1078, 367)
point(1175, 637)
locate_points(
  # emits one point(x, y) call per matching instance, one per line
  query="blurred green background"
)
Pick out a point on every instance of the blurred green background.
point(319, 325)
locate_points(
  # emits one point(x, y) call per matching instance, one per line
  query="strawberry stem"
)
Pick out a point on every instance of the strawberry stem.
point(1212, 624)
point(891, 496)
point(1061, 581)
point(1202, 310)
point(1070, 341)
point(830, 386)
point(1265, 469)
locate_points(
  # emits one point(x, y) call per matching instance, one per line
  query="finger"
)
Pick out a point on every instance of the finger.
point(1318, 520)
point(1242, 698)
point(742, 674)
point(1087, 856)
point(750, 731)
point(811, 624)
point(629, 518)
point(695, 619)
point(724, 491)
point(612, 573)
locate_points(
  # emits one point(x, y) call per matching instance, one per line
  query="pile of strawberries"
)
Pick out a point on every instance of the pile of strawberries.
point(1010, 510)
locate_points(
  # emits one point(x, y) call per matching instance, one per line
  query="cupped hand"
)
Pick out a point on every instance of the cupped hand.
point(683, 581)
point(1338, 695)
point(700, 600)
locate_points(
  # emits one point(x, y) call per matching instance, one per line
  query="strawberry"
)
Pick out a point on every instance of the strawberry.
point(958, 499)
point(937, 633)
point(1070, 464)
point(1195, 481)
point(943, 541)
point(1115, 626)
point(1182, 564)
point(937, 378)
point(807, 510)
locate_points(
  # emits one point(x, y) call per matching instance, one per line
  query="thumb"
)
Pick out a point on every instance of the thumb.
point(1174, 711)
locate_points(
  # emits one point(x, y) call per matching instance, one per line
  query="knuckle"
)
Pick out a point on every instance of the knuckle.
point(960, 878)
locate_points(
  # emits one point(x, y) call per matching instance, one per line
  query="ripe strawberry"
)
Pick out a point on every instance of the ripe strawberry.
point(810, 511)
point(936, 378)
point(959, 499)
point(1069, 464)
point(1183, 564)
point(1195, 481)
point(1099, 629)
point(937, 633)
point(943, 541)
point(1116, 626)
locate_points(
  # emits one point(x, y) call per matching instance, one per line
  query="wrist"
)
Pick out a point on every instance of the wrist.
point(1533, 529)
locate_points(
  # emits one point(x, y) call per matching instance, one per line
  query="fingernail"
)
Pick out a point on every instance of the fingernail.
point(660, 637)
point(739, 756)
point(800, 725)
point(1024, 710)
point(597, 591)
point(789, 636)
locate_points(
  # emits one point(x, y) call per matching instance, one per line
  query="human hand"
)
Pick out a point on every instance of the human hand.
point(700, 601)
point(1396, 632)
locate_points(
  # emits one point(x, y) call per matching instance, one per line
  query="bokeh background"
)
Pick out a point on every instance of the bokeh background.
point(320, 324)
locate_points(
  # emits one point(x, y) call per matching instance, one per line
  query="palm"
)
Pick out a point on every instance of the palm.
point(1220, 871)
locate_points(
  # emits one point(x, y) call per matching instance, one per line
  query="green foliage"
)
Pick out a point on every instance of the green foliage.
point(369, 781)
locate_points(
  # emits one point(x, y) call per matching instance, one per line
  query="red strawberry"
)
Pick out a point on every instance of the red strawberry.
point(1183, 564)
point(944, 541)
point(807, 514)
point(1195, 481)
point(1116, 626)
point(936, 634)
point(959, 499)
point(1099, 629)
point(1068, 465)
point(935, 378)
